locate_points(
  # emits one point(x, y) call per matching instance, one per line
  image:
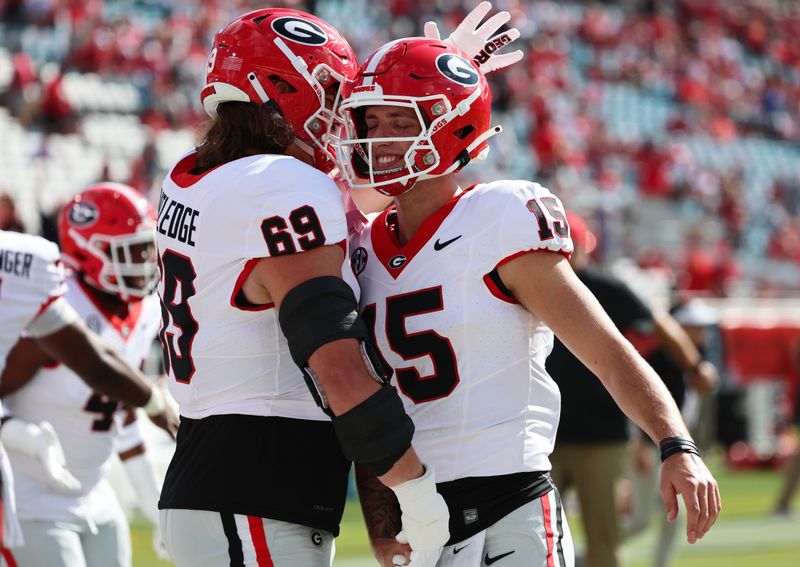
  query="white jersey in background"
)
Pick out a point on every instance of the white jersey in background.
point(222, 355)
point(31, 278)
point(467, 358)
point(87, 423)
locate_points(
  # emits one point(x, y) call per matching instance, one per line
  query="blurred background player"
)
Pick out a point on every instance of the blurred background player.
point(791, 473)
point(32, 285)
point(591, 453)
point(691, 393)
point(461, 288)
point(107, 238)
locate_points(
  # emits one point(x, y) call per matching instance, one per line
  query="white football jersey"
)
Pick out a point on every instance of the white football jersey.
point(31, 277)
point(467, 358)
point(87, 423)
point(223, 356)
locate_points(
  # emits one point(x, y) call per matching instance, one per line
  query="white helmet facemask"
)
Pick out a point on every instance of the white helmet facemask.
point(355, 151)
point(129, 266)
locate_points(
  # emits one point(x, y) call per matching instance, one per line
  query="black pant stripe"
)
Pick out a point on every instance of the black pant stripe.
point(560, 529)
point(234, 543)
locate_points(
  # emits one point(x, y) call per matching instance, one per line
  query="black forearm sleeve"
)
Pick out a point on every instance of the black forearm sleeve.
point(377, 432)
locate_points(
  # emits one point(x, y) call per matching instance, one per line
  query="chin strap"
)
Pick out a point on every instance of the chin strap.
point(303, 146)
point(463, 158)
point(256, 84)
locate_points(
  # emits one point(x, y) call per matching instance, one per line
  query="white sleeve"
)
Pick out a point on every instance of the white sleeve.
point(298, 209)
point(51, 277)
point(57, 315)
point(532, 218)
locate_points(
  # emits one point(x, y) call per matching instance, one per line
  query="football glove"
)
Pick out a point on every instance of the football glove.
point(40, 442)
point(480, 42)
point(418, 558)
point(424, 514)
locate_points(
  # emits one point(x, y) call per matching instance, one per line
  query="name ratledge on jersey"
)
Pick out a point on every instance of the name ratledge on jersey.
point(467, 358)
point(223, 355)
point(31, 277)
point(87, 423)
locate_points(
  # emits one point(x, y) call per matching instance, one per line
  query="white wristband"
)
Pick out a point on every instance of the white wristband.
point(424, 514)
point(417, 488)
point(156, 404)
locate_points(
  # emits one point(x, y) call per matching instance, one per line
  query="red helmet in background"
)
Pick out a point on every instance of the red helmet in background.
point(257, 55)
point(449, 96)
point(107, 235)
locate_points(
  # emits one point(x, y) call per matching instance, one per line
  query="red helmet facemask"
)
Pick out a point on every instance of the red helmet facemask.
point(448, 96)
point(107, 236)
point(290, 59)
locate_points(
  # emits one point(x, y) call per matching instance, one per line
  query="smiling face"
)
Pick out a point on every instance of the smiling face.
point(385, 122)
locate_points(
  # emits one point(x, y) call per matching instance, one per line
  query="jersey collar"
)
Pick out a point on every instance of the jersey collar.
point(393, 256)
point(123, 325)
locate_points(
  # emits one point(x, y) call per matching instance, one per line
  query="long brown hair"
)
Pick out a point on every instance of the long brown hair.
point(242, 129)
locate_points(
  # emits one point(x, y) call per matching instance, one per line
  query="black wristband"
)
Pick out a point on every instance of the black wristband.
point(671, 445)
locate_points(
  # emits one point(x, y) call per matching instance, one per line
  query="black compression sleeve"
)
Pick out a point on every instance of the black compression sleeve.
point(319, 311)
point(377, 432)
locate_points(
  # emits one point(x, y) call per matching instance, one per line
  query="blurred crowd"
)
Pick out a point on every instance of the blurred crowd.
point(688, 196)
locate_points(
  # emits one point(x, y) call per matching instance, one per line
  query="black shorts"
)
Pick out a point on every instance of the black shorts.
point(273, 467)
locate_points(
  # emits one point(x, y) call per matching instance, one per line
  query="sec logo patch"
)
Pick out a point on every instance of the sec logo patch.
point(358, 260)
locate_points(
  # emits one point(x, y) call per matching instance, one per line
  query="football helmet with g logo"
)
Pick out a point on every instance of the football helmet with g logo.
point(107, 236)
point(449, 97)
point(290, 59)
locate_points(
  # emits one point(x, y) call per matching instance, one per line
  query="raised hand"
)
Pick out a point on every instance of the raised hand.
point(481, 42)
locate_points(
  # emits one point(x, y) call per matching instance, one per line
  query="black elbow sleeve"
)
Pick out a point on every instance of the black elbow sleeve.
point(377, 432)
point(316, 312)
point(320, 311)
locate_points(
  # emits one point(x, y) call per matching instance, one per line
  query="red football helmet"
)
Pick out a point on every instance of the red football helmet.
point(107, 235)
point(451, 100)
point(257, 55)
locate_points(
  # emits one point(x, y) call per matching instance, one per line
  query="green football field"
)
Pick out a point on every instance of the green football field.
point(745, 535)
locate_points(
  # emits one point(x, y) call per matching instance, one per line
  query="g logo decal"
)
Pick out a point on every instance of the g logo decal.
point(397, 261)
point(83, 214)
point(457, 69)
point(299, 30)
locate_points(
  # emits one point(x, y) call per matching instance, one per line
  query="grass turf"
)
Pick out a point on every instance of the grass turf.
point(745, 534)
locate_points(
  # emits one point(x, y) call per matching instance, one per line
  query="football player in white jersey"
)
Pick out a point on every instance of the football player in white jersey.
point(462, 288)
point(107, 237)
point(31, 301)
point(255, 281)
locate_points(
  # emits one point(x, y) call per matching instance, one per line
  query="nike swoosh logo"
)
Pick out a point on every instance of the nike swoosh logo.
point(457, 549)
point(489, 560)
point(439, 245)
